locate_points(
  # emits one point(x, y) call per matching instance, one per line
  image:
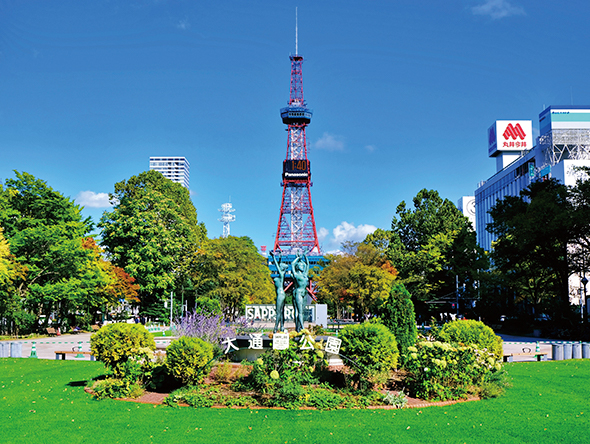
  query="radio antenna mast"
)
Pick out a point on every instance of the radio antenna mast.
point(296, 36)
point(227, 217)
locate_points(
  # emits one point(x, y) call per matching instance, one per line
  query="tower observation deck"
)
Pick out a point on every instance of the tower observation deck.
point(296, 231)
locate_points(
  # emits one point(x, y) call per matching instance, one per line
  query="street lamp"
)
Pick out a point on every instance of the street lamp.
point(583, 303)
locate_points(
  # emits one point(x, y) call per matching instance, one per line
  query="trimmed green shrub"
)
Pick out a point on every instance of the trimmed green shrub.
point(115, 344)
point(397, 314)
point(442, 371)
point(372, 348)
point(189, 359)
point(471, 332)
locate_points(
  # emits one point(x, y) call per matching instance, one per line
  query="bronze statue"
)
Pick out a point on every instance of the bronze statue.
point(280, 289)
point(300, 270)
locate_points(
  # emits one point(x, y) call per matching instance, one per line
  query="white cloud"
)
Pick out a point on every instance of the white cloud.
point(90, 199)
point(370, 148)
point(323, 234)
point(497, 9)
point(342, 233)
point(348, 232)
point(329, 142)
point(183, 25)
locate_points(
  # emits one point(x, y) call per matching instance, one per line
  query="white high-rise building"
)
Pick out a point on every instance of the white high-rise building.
point(174, 168)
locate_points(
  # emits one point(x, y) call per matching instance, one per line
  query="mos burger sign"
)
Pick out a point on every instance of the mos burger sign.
point(510, 135)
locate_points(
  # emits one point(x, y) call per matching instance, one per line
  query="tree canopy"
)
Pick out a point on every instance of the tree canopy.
point(432, 245)
point(44, 230)
point(152, 232)
point(231, 271)
point(531, 250)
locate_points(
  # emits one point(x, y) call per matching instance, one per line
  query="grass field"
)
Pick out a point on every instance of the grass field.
point(43, 400)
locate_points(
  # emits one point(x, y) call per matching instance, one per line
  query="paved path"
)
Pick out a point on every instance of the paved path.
point(518, 344)
point(46, 347)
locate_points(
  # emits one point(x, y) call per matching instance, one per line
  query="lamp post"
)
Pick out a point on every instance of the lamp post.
point(583, 303)
point(457, 293)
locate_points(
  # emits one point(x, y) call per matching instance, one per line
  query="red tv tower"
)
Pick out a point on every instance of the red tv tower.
point(296, 229)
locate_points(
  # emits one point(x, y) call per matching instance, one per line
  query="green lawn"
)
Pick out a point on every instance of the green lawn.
point(43, 400)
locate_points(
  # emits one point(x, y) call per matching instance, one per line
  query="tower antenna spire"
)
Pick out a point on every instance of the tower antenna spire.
point(296, 31)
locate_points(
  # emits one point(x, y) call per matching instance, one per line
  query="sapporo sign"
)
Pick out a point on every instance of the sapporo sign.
point(269, 313)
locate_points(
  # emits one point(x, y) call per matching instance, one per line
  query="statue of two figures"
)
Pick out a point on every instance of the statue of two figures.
point(300, 271)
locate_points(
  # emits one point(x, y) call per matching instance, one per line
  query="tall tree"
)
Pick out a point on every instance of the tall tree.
point(232, 271)
point(531, 251)
point(432, 246)
point(151, 233)
point(45, 230)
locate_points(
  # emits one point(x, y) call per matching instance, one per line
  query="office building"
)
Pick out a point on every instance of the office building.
point(563, 144)
point(174, 168)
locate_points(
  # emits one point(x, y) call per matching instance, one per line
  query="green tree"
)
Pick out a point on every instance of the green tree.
point(531, 250)
point(45, 230)
point(380, 239)
point(232, 271)
point(397, 314)
point(432, 245)
point(152, 232)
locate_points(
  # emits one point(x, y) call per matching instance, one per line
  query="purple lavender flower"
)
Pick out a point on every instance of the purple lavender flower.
point(206, 326)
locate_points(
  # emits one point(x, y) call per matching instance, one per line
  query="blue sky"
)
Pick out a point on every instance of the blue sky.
point(402, 93)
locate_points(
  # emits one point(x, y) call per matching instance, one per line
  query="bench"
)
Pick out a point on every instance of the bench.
point(61, 354)
point(539, 355)
point(51, 331)
point(95, 327)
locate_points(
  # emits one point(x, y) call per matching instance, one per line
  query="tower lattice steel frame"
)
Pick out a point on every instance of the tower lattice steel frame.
point(296, 230)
